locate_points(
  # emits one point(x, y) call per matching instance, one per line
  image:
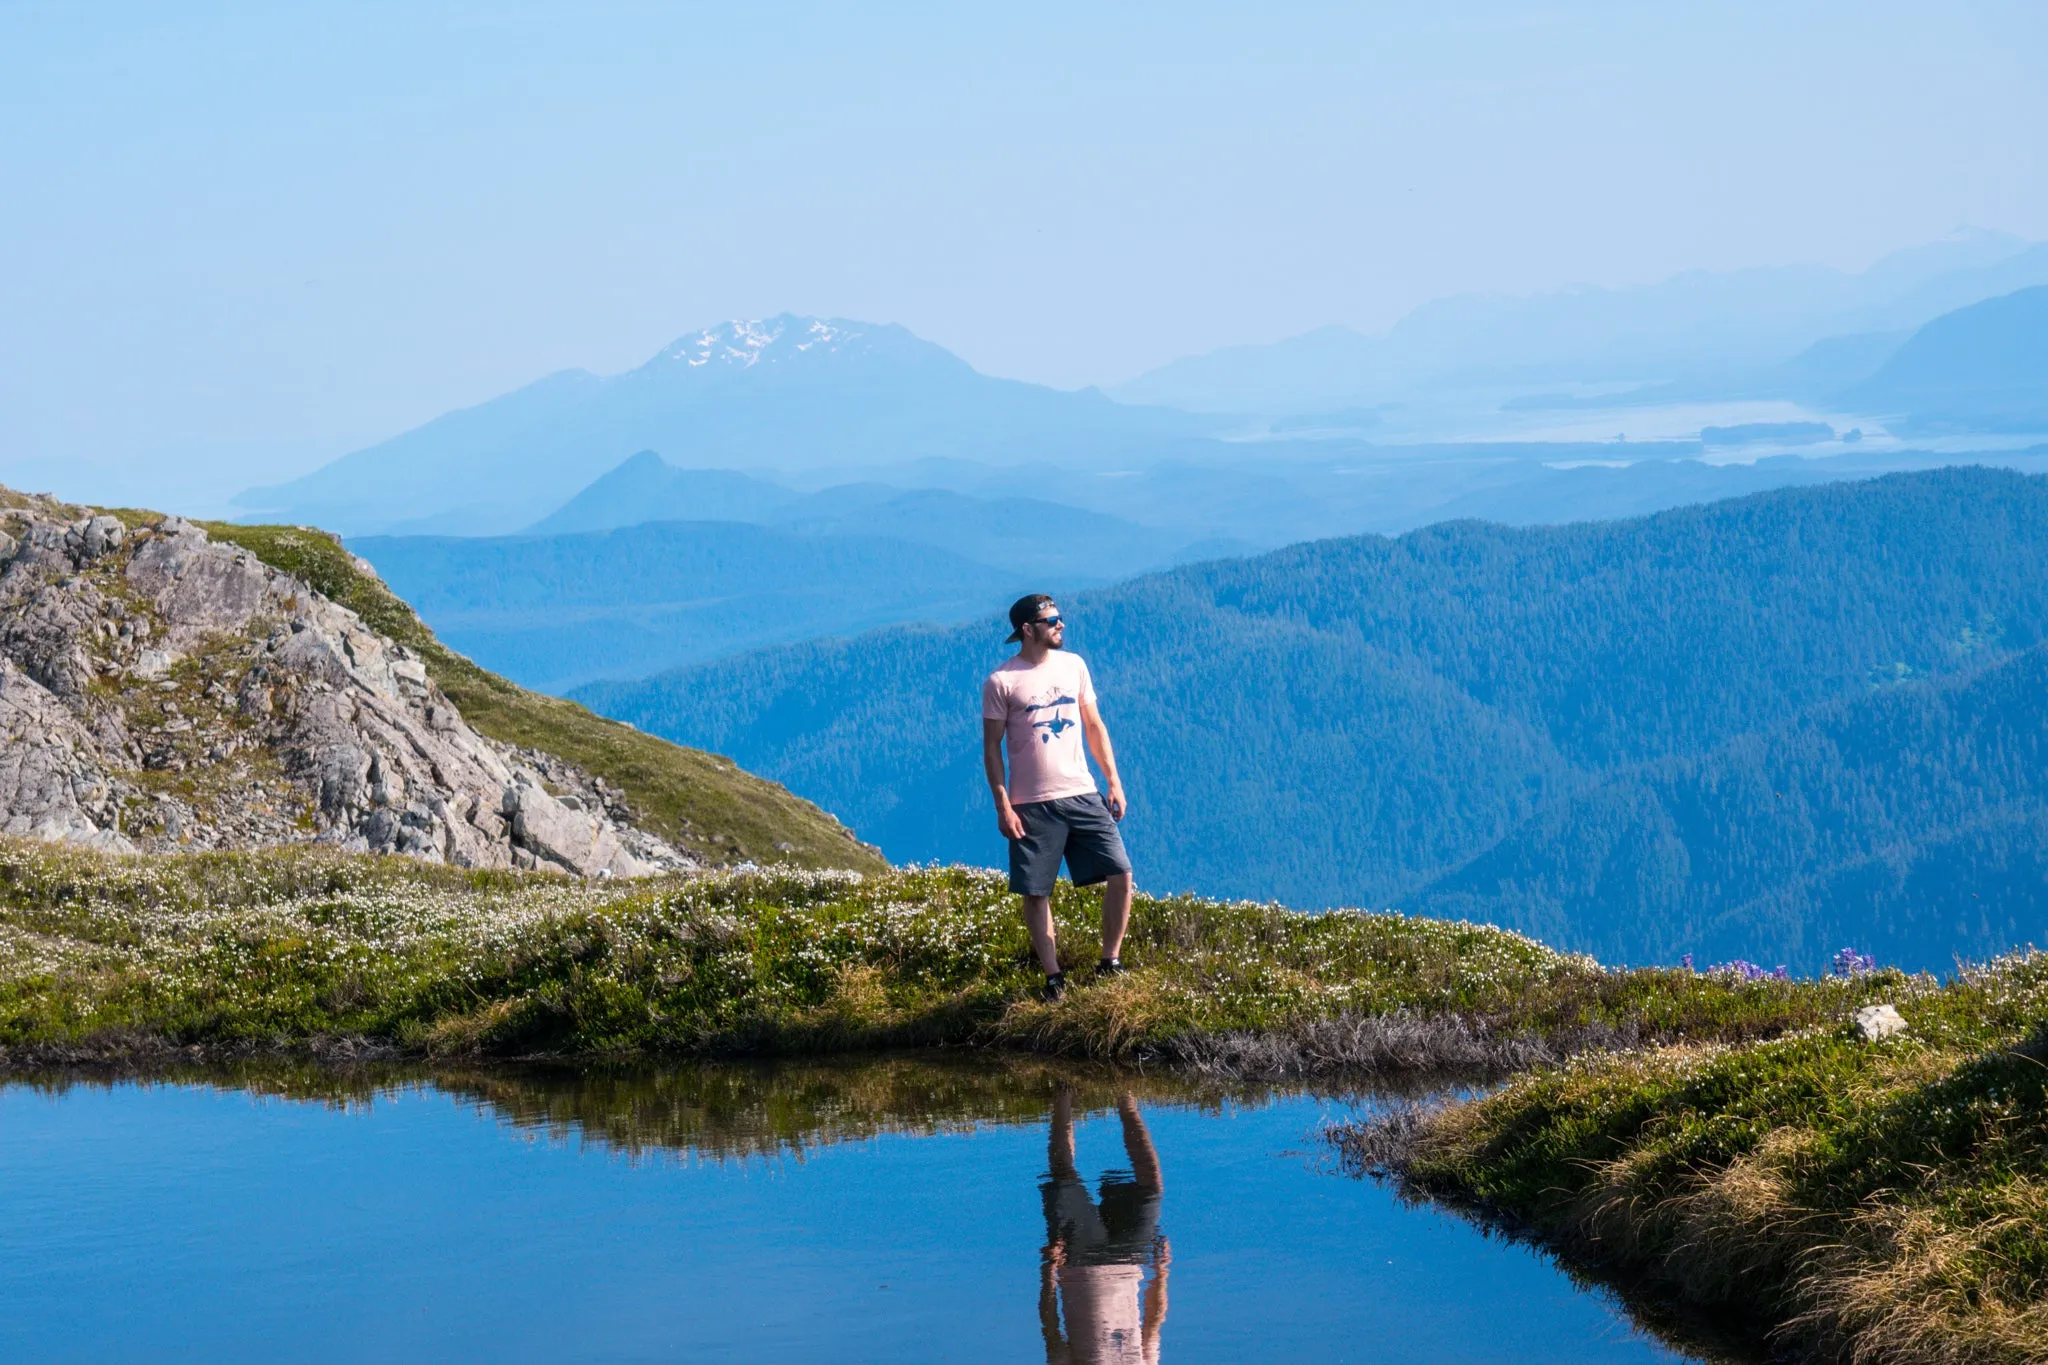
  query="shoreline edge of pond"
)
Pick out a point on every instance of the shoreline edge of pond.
point(1736, 1145)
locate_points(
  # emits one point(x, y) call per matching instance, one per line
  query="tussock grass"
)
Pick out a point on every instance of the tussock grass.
point(307, 949)
point(1867, 1201)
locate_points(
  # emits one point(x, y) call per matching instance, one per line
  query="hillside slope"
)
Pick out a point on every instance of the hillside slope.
point(1911, 821)
point(167, 685)
point(1981, 368)
point(1351, 721)
point(645, 487)
point(701, 801)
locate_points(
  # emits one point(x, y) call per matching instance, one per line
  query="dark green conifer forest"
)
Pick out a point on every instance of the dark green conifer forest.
point(1768, 728)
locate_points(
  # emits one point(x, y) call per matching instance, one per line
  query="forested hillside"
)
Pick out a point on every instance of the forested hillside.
point(1360, 720)
point(1911, 820)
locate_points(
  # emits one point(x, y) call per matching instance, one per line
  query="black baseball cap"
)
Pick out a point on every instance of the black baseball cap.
point(1025, 610)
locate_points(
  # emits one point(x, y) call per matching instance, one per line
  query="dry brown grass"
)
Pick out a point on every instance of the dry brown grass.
point(1863, 1202)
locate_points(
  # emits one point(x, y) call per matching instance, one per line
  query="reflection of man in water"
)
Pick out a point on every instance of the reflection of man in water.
point(1096, 1249)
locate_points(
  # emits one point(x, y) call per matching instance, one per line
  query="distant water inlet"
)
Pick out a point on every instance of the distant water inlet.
point(901, 1209)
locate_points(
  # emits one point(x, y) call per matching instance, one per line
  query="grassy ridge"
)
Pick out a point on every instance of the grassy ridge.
point(700, 802)
point(1865, 1200)
point(287, 946)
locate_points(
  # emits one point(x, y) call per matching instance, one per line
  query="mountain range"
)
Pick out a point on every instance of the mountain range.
point(1021, 535)
point(783, 393)
point(655, 589)
point(1420, 721)
point(812, 403)
point(1098, 526)
point(653, 567)
point(1697, 331)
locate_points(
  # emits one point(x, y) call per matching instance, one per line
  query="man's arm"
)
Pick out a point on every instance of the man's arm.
point(1056, 1352)
point(1059, 1136)
point(1007, 819)
point(1143, 1156)
point(1155, 1303)
point(1105, 756)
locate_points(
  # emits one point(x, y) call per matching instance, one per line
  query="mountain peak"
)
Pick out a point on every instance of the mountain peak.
point(745, 342)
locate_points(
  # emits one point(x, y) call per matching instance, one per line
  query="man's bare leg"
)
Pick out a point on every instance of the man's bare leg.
point(1038, 919)
point(1059, 1136)
point(1116, 915)
point(1059, 1159)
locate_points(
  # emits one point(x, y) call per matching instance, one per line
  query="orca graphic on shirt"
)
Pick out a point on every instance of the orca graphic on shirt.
point(1058, 725)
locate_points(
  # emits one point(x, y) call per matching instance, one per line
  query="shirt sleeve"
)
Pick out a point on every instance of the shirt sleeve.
point(993, 705)
point(1086, 690)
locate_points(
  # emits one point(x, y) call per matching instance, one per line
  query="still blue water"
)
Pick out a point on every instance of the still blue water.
point(852, 1217)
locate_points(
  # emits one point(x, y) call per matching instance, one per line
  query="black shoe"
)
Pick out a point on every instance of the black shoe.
point(1109, 967)
point(1055, 987)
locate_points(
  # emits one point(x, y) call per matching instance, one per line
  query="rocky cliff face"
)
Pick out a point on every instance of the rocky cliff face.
point(161, 691)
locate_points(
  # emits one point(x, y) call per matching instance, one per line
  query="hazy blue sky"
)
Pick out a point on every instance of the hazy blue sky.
point(238, 240)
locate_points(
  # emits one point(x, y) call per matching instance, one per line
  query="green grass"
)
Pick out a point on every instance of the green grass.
point(1865, 1200)
point(285, 946)
point(700, 802)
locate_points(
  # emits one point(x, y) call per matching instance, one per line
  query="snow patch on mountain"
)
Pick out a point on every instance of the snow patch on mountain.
point(744, 343)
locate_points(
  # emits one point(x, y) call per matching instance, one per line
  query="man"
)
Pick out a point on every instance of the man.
point(1096, 1249)
point(1041, 704)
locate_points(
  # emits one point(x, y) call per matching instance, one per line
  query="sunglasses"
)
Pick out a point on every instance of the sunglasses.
point(1048, 621)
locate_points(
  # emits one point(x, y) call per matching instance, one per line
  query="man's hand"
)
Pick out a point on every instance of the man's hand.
point(1105, 756)
point(1009, 822)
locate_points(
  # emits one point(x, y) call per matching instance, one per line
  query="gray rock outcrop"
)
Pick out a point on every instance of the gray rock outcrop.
point(160, 690)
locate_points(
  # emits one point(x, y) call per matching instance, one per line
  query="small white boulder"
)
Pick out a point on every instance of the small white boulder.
point(1875, 1022)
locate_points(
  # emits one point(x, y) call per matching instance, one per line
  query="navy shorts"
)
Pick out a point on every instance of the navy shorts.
point(1121, 1229)
point(1077, 828)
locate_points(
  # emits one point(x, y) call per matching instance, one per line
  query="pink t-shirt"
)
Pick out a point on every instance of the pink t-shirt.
point(1040, 708)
